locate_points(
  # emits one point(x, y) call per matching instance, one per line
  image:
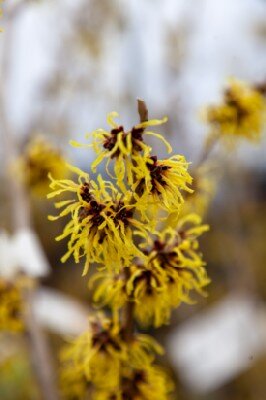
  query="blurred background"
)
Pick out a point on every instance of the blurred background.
point(64, 65)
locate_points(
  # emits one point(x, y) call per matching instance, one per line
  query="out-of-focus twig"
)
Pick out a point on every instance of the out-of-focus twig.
point(38, 347)
point(207, 149)
point(12, 11)
point(244, 274)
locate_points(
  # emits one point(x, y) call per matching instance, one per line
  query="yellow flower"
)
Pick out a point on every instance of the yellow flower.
point(241, 114)
point(163, 183)
point(147, 287)
point(40, 159)
point(171, 269)
point(139, 384)
point(109, 289)
point(141, 350)
point(125, 148)
point(174, 267)
point(176, 253)
point(73, 383)
point(94, 356)
point(97, 357)
point(11, 307)
point(102, 221)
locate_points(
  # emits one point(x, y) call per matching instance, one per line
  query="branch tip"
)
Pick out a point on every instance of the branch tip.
point(142, 110)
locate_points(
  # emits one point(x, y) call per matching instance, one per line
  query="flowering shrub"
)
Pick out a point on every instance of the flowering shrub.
point(138, 233)
point(145, 267)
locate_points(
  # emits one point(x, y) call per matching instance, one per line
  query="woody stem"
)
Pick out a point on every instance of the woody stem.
point(209, 145)
point(128, 315)
point(41, 358)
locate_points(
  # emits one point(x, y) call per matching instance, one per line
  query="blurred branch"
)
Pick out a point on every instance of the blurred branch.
point(210, 143)
point(128, 315)
point(38, 346)
point(244, 274)
point(40, 353)
point(14, 10)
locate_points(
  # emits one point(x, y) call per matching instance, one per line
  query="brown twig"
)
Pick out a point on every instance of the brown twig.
point(38, 346)
point(20, 209)
point(41, 359)
point(16, 9)
point(207, 149)
point(142, 110)
point(128, 315)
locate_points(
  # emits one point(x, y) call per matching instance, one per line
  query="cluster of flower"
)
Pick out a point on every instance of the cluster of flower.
point(40, 158)
point(140, 232)
point(242, 113)
point(104, 365)
point(146, 265)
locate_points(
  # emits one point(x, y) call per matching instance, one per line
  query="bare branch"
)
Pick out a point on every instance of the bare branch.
point(142, 110)
point(38, 346)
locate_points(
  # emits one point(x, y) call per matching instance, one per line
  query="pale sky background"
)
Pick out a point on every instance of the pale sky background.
point(219, 39)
